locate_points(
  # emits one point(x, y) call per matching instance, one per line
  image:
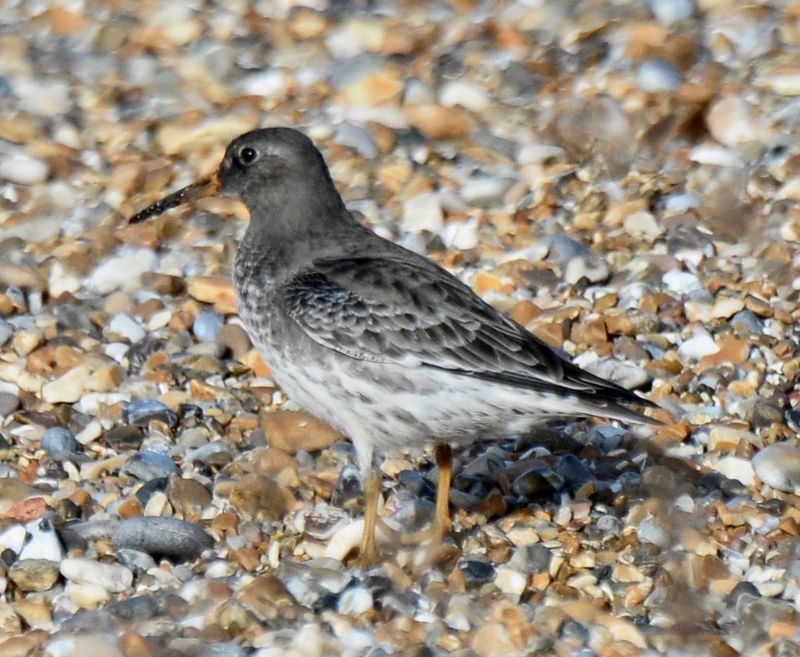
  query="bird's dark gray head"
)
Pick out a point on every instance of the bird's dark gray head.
point(277, 172)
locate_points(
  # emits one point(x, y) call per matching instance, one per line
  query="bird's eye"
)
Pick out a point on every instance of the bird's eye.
point(248, 155)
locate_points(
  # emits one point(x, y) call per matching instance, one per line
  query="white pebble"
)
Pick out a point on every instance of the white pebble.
point(464, 94)
point(23, 170)
point(642, 223)
point(111, 577)
point(461, 235)
point(681, 282)
point(355, 601)
point(736, 468)
point(699, 345)
point(484, 190)
point(122, 271)
point(511, 582)
point(423, 212)
point(127, 327)
point(67, 388)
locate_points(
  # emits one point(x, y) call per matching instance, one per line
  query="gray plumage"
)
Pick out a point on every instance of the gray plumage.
point(383, 344)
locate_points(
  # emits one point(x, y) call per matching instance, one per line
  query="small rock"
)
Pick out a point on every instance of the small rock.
point(67, 388)
point(124, 437)
point(147, 465)
point(8, 403)
point(681, 282)
point(423, 212)
point(511, 582)
point(162, 536)
point(127, 327)
point(476, 573)
point(536, 482)
point(732, 121)
point(778, 466)
point(256, 496)
point(140, 412)
point(356, 137)
point(736, 468)
point(698, 346)
point(110, 577)
point(207, 325)
point(235, 338)
point(187, 496)
point(59, 440)
point(642, 223)
point(23, 170)
point(593, 268)
point(34, 574)
point(484, 191)
point(293, 431)
point(465, 94)
point(657, 75)
point(355, 601)
point(531, 559)
point(122, 271)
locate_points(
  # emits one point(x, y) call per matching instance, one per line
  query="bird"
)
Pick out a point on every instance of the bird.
point(381, 343)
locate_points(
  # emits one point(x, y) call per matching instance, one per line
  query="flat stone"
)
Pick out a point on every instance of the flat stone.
point(166, 536)
point(293, 431)
point(108, 576)
point(140, 412)
point(34, 574)
point(68, 388)
point(147, 465)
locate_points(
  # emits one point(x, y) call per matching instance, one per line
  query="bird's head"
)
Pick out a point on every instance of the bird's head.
point(263, 168)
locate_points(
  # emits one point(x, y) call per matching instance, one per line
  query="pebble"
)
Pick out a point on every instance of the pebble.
point(207, 325)
point(168, 537)
point(657, 75)
point(34, 574)
point(293, 431)
point(147, 465)
point(476, 573)
point(463, 94)
point(127, 327)
point(23, 170)
point(68, 388)
point(59, 440)
point(681, 282)
point(778, 466)
point(736, 468)
point(140, 412)
point(642, 223)
point(355, 601)
point(108, 576)
point(484, 191)
point(122, 272)
point(423, 212)
point(698, 346)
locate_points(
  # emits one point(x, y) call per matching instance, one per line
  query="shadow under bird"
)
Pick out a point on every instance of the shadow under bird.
point(384, 345)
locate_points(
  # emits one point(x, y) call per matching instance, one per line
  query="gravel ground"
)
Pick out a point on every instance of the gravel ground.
point(622, 178)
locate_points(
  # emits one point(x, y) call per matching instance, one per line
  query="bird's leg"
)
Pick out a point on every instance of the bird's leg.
point(368, 551)
point(441, 519)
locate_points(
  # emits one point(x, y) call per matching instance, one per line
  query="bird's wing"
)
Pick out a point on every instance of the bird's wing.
point(417, 314)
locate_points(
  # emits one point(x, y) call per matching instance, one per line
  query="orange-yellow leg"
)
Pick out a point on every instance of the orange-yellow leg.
point(441, 519)
point(368, 551)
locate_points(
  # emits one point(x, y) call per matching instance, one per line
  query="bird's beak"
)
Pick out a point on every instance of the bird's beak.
point(206, 187)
